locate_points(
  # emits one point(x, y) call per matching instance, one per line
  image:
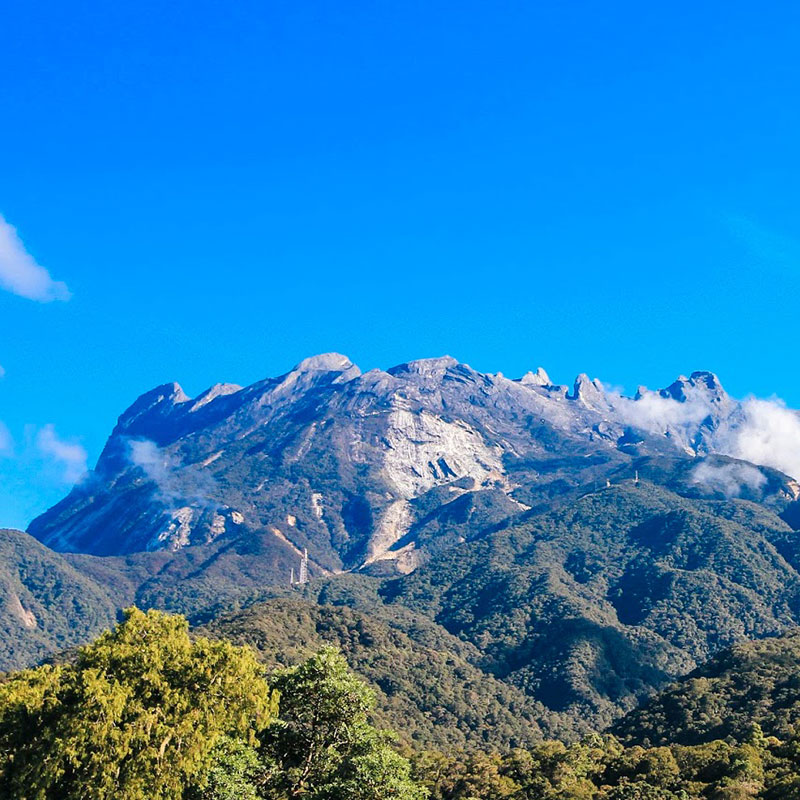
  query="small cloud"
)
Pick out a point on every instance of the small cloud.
point(6, 441)
point(155, 463)
point(174, 481)
point(19, 272)
point(2, 371)
point(731, 480)
point(70, 457)
point(615, 390)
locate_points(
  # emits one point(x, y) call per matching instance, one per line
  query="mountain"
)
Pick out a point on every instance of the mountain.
point(569, 552)
point(45, 603)
point(752, 682)
point(585, 609)
point(383, 470)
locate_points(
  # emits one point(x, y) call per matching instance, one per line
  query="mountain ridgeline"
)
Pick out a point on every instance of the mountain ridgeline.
point(501, 560)
point(379, 469)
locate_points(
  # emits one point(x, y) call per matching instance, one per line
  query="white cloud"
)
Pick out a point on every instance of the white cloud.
point(729, 479)
point(173, 480)
point(155, 463)
point(657, 414)
point(769, 434)
point(70, 457)
point(763, 432)
point(19, 272)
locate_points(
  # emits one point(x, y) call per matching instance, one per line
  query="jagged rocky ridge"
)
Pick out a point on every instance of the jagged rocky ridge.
point(380, 469)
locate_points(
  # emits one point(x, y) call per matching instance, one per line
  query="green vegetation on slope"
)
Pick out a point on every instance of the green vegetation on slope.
point(147, 712)
point(555, 625)
point(45, 604)
point(753, 682)
point(600, 768)
point(730, 731)
point(425, 680)
point(196, 581)
point(590, 608)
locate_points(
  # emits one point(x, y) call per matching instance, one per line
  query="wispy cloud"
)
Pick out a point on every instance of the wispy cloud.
point(173, 480)
point(157, 465)
point(729, 479)
point(68, 456)
point(19, 272)
point(6, 441)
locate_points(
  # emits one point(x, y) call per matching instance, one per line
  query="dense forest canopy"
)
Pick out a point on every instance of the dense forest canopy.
point(150, 711)
point(147, 713)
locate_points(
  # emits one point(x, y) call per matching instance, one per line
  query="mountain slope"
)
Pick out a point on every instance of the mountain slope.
point(591, 607)
point(45, 603)
point(197, 581)
point(556, 622)
point(426, 682)
point(585, 548)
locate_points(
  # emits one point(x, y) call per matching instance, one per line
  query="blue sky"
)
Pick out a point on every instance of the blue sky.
point(608, 187)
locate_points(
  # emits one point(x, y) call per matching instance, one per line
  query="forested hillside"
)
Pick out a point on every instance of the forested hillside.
point(427, 683)
point(46, 604)
point(148, 713)
point(554, 623)
point(749, 683)
point(591, 607)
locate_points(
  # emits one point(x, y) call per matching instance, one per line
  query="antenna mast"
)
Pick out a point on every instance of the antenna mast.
point(303, 578)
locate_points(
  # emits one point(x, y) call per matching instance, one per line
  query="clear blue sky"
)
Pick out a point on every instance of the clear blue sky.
point(226, 188)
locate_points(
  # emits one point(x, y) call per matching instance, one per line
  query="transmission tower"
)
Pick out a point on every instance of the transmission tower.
point(303, 578)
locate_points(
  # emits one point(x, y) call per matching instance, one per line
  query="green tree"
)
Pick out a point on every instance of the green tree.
point(322, 746)
point(485, 778)
point(640, 790)
point(235, 772)
point(136, 718)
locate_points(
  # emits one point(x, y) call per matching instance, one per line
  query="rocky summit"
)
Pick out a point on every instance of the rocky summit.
point(378, 470)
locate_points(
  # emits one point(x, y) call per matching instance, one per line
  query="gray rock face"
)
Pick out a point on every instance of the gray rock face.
point(372, 470)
